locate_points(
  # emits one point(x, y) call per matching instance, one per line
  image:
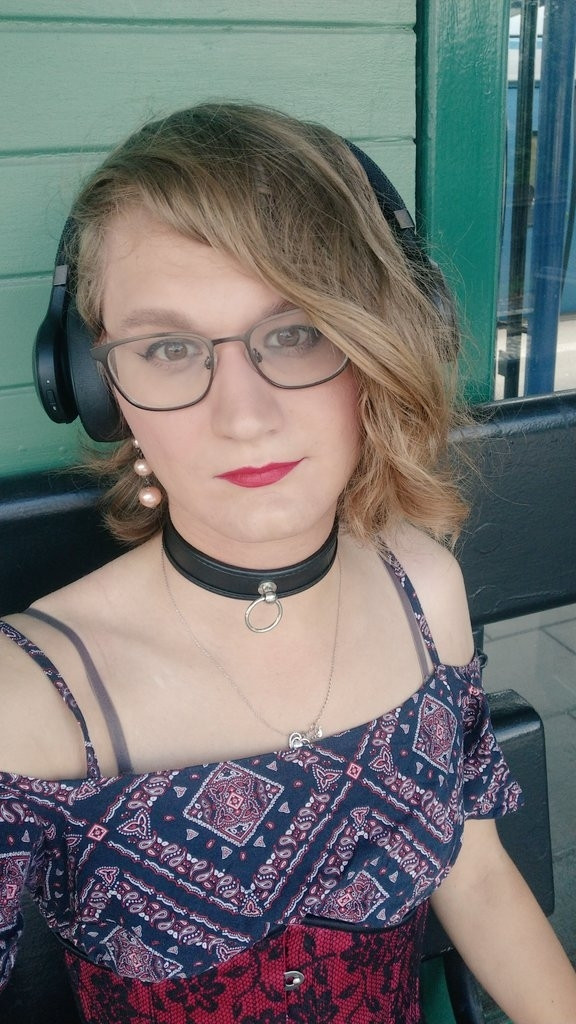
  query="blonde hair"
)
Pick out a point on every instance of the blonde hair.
point(292, 204)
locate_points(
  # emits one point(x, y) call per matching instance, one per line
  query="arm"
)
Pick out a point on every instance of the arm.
point(496, 924)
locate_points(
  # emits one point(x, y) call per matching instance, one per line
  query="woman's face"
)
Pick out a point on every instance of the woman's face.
point(304, 442)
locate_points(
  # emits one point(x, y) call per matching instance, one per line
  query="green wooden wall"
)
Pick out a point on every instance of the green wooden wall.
point(78, 75)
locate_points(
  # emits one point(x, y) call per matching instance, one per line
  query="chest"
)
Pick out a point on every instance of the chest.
point(181, 700)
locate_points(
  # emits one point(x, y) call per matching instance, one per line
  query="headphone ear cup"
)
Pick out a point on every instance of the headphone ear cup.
point(50, 357)
point(99, 413)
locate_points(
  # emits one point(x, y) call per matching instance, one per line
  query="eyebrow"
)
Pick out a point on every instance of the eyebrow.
point(174, 320)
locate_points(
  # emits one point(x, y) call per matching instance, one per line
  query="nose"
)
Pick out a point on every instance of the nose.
point(243, 404)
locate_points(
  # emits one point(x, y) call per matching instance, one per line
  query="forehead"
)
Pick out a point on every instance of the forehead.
point(148, 264)
point(137, 238)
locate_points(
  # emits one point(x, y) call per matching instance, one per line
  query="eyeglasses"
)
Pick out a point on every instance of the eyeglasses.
point(173, 371)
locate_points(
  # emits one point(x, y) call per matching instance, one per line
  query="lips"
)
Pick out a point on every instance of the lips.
point(259, 476)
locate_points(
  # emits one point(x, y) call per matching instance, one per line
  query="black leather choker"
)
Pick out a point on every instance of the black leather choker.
point(254, 585)
point(231, 581)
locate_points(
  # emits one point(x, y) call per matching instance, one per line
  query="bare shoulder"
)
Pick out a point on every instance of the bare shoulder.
point(39, 734)
point(438, 582)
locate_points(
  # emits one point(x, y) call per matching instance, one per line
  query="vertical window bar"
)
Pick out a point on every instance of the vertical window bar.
point(551, 200)
point(509, 363)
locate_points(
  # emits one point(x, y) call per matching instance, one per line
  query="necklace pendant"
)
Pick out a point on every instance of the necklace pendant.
point(297, 740)
point(304, 739)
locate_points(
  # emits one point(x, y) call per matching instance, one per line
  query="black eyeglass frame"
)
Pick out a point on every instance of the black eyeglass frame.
point(100, 354)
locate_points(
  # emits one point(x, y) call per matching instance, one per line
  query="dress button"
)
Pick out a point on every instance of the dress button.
point(293, 980)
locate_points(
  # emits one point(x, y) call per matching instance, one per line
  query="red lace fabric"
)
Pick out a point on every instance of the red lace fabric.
point(308, 974)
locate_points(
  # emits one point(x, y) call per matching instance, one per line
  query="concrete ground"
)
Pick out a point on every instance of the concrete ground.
point(536, 655)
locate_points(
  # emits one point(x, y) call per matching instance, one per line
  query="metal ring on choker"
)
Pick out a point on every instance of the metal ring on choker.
point(268, 595)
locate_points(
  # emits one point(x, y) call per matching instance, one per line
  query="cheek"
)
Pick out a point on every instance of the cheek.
point(154, 432)
point(134, 417)
point(345, 412)
point(334, 420)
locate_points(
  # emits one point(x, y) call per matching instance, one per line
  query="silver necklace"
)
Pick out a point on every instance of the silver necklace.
point(295, 739)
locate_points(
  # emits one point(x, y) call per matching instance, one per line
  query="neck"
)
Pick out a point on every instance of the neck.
point(233, 581)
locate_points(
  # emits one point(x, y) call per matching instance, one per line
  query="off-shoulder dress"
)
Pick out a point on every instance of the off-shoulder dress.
point(288, 887)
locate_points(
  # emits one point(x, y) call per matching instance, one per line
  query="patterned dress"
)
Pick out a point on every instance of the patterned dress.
point(291, 886)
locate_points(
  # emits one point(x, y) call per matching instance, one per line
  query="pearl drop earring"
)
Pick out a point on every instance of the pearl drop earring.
point(148, 496)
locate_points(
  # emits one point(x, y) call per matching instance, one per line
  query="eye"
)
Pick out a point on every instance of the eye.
point(174, 350)
point(293, 336)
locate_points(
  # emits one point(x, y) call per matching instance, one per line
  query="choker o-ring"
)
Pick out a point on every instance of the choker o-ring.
point(267, 591)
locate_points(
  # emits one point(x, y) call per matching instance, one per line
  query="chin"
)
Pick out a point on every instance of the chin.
point(270, 539)
point(269, 529)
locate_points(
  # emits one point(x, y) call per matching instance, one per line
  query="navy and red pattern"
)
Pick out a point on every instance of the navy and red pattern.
point(347, 978)
point(165, 880)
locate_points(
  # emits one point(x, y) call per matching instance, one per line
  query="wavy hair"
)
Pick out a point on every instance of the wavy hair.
point(289, 201)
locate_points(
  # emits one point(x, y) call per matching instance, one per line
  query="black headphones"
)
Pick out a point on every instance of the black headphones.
point(69, 382)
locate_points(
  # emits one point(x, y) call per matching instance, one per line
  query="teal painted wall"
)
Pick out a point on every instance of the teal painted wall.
point(77, 76)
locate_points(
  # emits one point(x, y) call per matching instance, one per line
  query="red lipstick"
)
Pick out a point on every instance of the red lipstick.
point(259, 476)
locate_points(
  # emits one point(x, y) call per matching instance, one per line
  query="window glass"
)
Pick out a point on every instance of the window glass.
point(536, 350)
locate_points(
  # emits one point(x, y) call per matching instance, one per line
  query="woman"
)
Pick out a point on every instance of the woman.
point(278, 367)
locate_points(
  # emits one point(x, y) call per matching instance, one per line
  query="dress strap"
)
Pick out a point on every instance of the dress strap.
point(414, 612)
point(52, 673)
point(99, 690)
